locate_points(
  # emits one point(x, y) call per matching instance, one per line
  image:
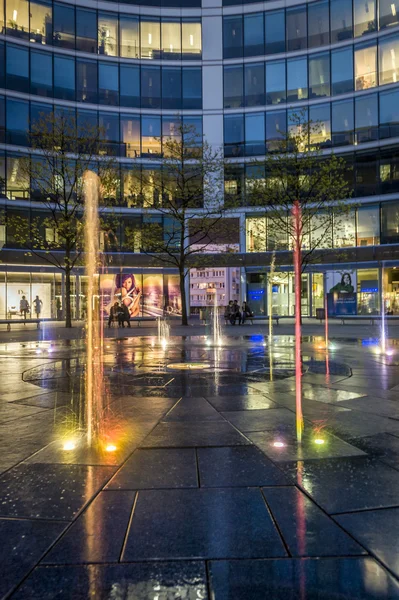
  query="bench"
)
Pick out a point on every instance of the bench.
point(8, 322)
point(275, 318)
point(139, 320)
point(370, 318)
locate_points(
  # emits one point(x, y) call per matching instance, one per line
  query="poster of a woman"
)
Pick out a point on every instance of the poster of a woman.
point(128, 292)
point(344, 286)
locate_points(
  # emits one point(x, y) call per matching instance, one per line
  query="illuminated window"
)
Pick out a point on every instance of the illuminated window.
point(150, 39)
point(129, 36)
point(151, 136)
point(17, 18)
point(388, 53)
point(107, 34)
point(365, 67)
point(191, 39)
point(171, 39)
point(41, 22)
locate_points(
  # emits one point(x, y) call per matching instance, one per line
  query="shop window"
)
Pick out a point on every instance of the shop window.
point(108, 83)
point(296, 28)
point(18, 285)
point(17, 114)
point(17, 68)
point(232, 37)
point(192, 88)
point(317, 291)
point(41, 22)
point(108, 43)
point(129, 85)
point(366, 174)
point(129, 36)
point(86, 81)
point(390, 223)
point(150, 136)
point(365, 66)
point(364, 16)
point(318, 24)
point(253, 34)
point(319, 75)
point(86, 30)
point(389, 170)
point(41, 73)
point(342, 71)
point(276, 127)
point(320, 133)
point(171, 87)
point(254, 80)
point(341, 20)
point(233, 135)
point(366, 118)
point(64, 77)
point(297, 79)
point(17, 18)
point(255, 234)
point(388, 53)
point(64, 25)
point(150, 87)
point(342, 122)
point(368, 225)
point(191, 39)
point(275, 82)
point(254, 134)
point(171, 39)
point(368, 302)
point(388, 13)
point(275, 32)
point(150, 35)
point(233, 86)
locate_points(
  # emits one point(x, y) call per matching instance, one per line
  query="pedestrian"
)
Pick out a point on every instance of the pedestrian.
point(37, 306)
point(124, 316)
point(113, 314)
point(228, 312)
point(235, 313)
point(246, 312)
point(24, 306)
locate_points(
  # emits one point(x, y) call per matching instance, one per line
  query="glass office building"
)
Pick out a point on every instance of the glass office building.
point(234, 70)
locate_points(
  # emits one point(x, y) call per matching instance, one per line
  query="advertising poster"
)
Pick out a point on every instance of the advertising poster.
point(153, 294)
point(341, 293)
point(124, 288)
point(172, 294)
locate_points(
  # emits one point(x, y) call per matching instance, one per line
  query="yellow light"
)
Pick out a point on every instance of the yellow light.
point(110, 448)
point(70, 445)
point(319, 441)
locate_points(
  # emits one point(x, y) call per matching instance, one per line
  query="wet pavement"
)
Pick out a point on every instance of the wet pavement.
point(198, 488)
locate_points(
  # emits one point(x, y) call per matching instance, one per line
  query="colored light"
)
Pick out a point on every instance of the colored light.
point(70, 445)
point(319, 441)
point(390, 352)
point(377, 350)
point(278, 444)
point(38, 351)
point(110, 448)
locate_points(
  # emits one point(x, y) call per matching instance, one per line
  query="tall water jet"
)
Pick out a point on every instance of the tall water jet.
point(163, 332)
point(296, 213)
point(216, 325)
point(383, 335)
point(94, 392)
point(270, 311)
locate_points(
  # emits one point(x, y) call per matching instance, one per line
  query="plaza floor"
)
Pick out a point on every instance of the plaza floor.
point(199, 489)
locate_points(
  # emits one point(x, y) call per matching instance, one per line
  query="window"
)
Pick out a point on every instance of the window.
point(192, 88)
point(233, 86)
point(108, 34)
point(108, 83)
point(17, 68)
point(233, 135)
point(130, 135)
point(232, 37)
point(254, 79)
point(171, 39)
point(388, 13)
point(17, 112)
point(364, 16)
point(255, 234)
point(275, 32)
point(150, 136)
point(366, 174)
point(86, 30)
point(191, 39)
point(254, 43)
point(2, 130)
point(17, 18)
point(366, 118)
point(64, 25)
point(296, 28)
point(365, 66)
point(389, 114)
point(86, 81)
point(129, 36)
point(390, 223)
point(254, 134)
point(276, 127)
point(41, 22)
point(171, 87)
point(151, 87)
point(342, 122)
point(318, 24)
point(41, 73)
point(109, 128)
point(320, 116)
point(368, 226)
point(341, 20)
point(234, 181)
point(342, 71)
point(388, 53)
point(389, 170)
point(64, 77)
point(319, 75)
point(345, 231)
point(150, 31)
point(129, 85)
point(2, 64)
point(275, 82)
point(297, 79)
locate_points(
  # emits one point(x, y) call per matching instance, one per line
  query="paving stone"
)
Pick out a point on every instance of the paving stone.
point(184, 434)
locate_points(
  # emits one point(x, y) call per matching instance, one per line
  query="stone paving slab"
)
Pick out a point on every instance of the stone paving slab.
point(189, 434)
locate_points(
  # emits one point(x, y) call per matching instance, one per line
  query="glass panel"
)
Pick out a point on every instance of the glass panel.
point(150, 39)
point(109, 127)
point(2, 139)
point(108, 83)
point(233, 86)
point(171, 39)
point(255, 234)
point(2, 64)
point(318, 24)
point(319, 75)
point(276, 127)
point(64, 77)
point(254, 134)
point(41, 22)
point(389, 170)
point(388, 13)
point(254, 78)
point(64, 26)
point(320, 116)
point(151, 87)
point(317, 292)
point(365, 67)
point(234, 182)
point(253, 34)
point(232, 37)
point(297, 79)
point(364, 16)
point(130, 86)
point(41, 73)
point(367, 292)
point(192, 88)
point(342, 71)
point(171, 87)
point(86, 30)
point(277, 240)
point(17, 68)
point(388, 53)
point(296, 28)
point(191, 39)
point(108, 43)
point(341, 20)
point(390, 223)
point(17, 112)
point(17, 184)
point(275, 32)
point(130, 136)
point(389, 114)
point(150, 136)
point(368, 225)
point(345, 231)
point(366, 174)
point(275, 82)
point(233, 135)
point(17, 18)
point(342, 122)
point(86, 81)
point(129, 36)
point(366, 115)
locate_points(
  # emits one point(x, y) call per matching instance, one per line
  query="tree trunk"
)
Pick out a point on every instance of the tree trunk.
point(184, 316)
point(68, 319)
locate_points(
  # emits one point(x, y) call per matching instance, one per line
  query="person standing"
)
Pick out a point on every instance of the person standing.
point(37, 306)
point(23, 307)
